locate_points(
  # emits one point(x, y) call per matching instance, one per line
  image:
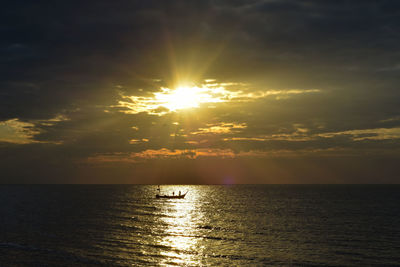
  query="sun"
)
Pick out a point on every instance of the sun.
point(184, 97)
point(179, 98)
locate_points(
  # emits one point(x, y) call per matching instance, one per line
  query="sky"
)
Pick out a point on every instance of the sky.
point(200, 92)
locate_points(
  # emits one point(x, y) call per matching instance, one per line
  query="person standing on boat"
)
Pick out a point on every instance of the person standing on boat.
point(173, 193)
point(179, 192)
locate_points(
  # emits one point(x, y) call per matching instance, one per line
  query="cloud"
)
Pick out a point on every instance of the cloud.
point(220, 128)
point(207, 95)
point(167, 100)
point(20, 132)
point(15, 131)
point(368, 134)
point(274, 79)
point(162, 153)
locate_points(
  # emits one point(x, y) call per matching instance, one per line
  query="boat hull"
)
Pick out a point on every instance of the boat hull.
point(166, 196)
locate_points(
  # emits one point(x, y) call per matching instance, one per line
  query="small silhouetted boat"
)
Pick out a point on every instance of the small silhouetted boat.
point(169, 196)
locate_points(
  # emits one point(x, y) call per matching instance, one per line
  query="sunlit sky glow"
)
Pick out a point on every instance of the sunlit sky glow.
point(182, 97)
point(194, 91)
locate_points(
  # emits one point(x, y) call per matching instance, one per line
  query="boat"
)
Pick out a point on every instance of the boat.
point(170, 196)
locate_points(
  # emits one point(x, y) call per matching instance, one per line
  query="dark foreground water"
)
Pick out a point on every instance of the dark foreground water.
point(278, 225)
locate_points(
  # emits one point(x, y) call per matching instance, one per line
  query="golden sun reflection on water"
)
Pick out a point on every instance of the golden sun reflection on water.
point(181, 221)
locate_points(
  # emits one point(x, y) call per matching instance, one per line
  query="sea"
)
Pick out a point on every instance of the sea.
point(214, 225)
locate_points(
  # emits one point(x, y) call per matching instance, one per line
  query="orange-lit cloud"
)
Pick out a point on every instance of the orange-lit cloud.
point(152, 154)
point(137, 141)
point(163, 153)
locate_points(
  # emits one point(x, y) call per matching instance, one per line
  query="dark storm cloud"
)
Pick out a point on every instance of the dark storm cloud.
point(56, 45)
point(319, 44)
point(72, 59)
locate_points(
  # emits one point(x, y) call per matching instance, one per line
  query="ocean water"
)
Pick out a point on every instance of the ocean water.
point(241, 225)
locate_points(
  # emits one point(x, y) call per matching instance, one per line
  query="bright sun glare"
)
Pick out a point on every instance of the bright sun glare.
point(182, 97)
point(185, 97)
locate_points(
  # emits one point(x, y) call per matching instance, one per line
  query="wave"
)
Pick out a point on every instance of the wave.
point(50, 253)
